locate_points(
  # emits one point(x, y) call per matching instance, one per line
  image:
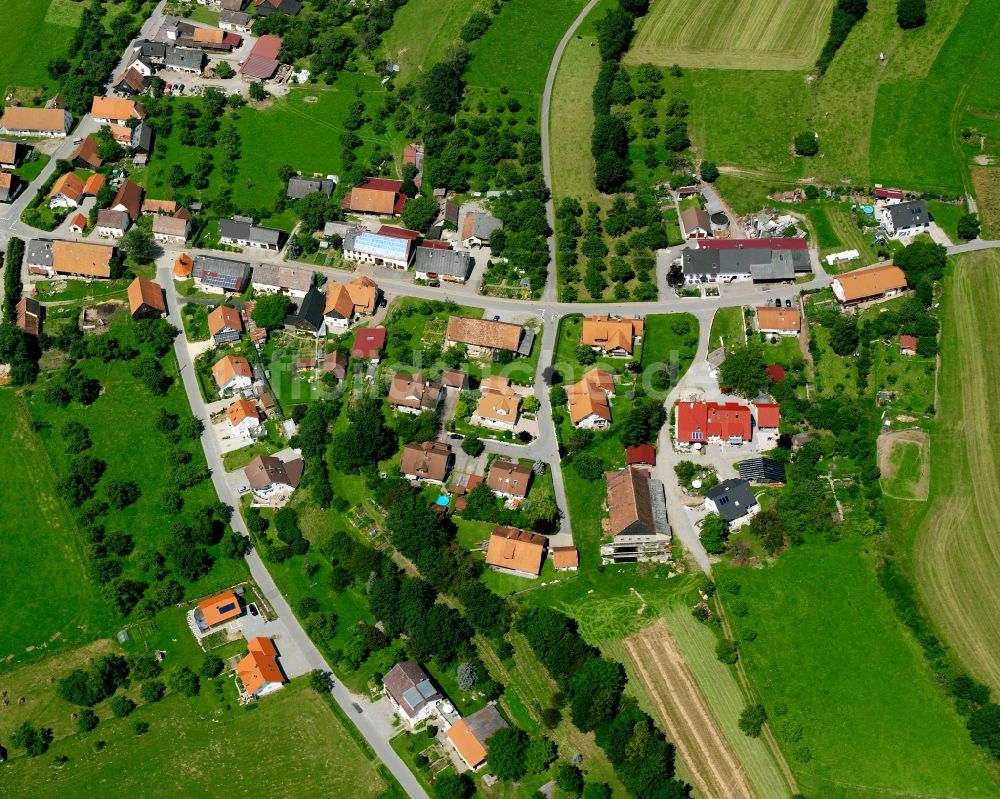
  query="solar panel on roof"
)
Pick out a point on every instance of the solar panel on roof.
point(227, 607)
point(426, 689)
point(412, 697)
point(382, 246)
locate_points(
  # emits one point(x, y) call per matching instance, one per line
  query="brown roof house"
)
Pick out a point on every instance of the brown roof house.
point(335, 363)
point(174, 229)
point(477, 227)
point(471, 735)
point(28, 316)
point(455, 378)
point(224, 324)
point(516, 551)
point(612, 337)
point(486, 336)
point(590, 400)
point(128, 199)
point(13, 153)
point(696, 223)
point(430, 461)
point(509, 480)
point(499, 405)
point(67, 191)
point(145, 299)
point(112, 224)
point(279, 279)
point(637, 518)
point(907, 345)
point(414, 393)
point(411, 692)
point(273, 480)
point(85, 155)
point(10, 187)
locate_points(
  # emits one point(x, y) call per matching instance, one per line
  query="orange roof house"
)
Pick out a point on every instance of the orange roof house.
point(589, 404)
point(908, 345)
point(145, 299)
point(259, 671)
point(364, 294)
point(705, 422)
point(339, 305)
point(565, 558)
point(509, 479)
point(615, 337)
point(471, 735)
point(516, 551)
point(116, 109)
point(78, 223)
point(242, 412)
point(783, 321)
point(768, 415)
point(217, 611)
point(869, 284)
point(183, 266)
point(499, 407)
point(47, 121)
point(82, 258)
point(94, 184)
point(232, 371)
point(70, 186)
point(224, 324)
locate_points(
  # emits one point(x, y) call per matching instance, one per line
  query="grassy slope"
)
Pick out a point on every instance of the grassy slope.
point(955, 551)
point(830, 647)
point(23, 57)
point(423, 30)
point(894, 123)
point(292, 742)
point(766, 34)
point(122, 426)
point(517, 48)
point(40, 547)
point(572, 119)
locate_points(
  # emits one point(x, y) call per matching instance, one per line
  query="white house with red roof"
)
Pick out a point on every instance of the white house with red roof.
point(712, 423)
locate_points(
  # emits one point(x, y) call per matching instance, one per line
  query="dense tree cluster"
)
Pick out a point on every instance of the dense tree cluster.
point(911, 13)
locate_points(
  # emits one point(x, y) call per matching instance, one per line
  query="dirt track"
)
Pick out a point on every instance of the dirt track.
point(701, 744)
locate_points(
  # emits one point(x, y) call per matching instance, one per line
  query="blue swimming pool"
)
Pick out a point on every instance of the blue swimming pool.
point(442, 500)
point(868, 209)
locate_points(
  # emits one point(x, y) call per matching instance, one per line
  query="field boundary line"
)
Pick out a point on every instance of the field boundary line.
point(721, 778)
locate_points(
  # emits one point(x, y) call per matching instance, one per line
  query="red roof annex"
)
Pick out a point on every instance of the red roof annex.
point(768, 415)
point(698, 422)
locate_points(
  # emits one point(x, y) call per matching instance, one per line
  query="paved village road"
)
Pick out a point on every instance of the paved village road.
point(373, 721)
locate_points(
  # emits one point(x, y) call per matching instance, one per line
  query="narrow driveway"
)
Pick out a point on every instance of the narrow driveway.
point(372, 720)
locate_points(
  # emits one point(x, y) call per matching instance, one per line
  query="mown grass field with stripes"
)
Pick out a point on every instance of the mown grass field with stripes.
point(732, 34)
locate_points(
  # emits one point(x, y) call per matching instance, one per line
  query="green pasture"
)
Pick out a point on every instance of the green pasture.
point(830, 652)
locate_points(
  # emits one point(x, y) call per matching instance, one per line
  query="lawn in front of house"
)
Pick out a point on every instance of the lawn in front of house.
point(727, 328)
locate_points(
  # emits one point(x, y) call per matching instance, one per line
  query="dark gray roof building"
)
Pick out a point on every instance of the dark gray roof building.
point(732, 498)
point(185, 59)
point(238, 230)
point(309, 315)
point(299, 187)
point(39, 252)
point(447, 263)
point(221, 272)
point(911, 214)
point(761, 263)
point(148, 49)
point(142, 138)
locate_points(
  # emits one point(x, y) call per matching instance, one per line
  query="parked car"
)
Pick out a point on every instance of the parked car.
point(777, 303)
point(496, 317)
point(434, 284)
point(788, 303)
